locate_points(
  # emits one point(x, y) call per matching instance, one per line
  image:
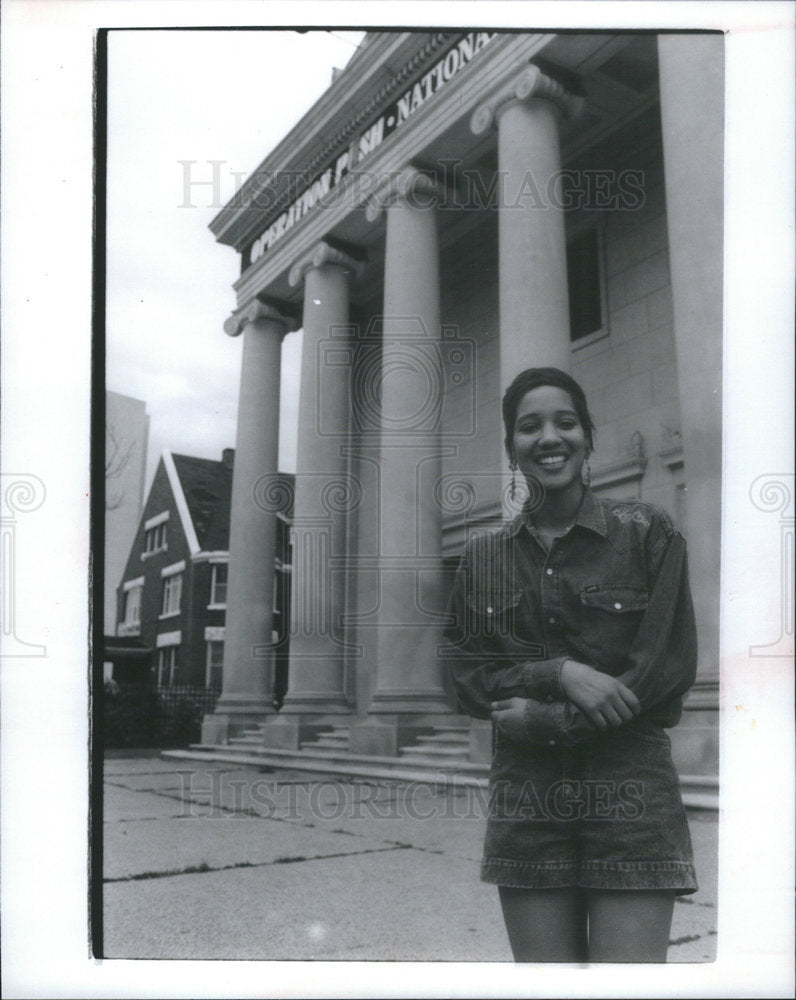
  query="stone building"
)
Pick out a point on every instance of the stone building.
point(457, 207)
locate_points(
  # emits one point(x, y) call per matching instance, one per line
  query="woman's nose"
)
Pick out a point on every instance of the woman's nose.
point(550, 433)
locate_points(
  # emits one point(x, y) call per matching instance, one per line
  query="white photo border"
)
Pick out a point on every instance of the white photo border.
point(47, 210)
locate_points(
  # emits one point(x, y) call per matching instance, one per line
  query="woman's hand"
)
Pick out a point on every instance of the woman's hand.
point(604, 700)
point(509, 717)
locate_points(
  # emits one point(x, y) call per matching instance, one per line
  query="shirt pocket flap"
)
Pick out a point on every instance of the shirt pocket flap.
point(493, 604)
point(615, 600)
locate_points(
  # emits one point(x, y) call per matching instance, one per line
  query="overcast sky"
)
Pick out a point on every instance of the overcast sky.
point(194, 95)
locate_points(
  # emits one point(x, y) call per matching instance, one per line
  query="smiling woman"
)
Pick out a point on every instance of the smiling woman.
point(574, 631)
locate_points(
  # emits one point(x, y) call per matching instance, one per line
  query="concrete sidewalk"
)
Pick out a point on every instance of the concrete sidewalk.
point(205, 861)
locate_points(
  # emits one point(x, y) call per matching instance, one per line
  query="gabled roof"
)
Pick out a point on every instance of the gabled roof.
point(206, 487)
point(202, 490)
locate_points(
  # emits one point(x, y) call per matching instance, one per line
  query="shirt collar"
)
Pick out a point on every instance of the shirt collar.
point(590, 515)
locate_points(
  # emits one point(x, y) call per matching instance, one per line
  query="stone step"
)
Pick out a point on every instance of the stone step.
point(432, 750)
point(325, 743)
point(329, 762)
point(460, 739)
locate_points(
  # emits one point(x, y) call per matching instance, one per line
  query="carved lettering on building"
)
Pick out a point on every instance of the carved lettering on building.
point(372, 137)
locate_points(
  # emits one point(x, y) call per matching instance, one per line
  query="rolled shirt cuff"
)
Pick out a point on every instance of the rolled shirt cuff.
point(543, 680)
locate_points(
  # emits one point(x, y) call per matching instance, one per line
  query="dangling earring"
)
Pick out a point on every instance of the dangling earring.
point(513, 490)
point(585, 472)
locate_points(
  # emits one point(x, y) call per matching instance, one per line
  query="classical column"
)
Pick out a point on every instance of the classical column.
point(691, 71)
point(324, 493)
point(534, 298)
point(248, 656)
point(409, 691)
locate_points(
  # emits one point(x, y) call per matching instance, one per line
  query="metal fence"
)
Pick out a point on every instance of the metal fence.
point(145, 715)
point(173, 699)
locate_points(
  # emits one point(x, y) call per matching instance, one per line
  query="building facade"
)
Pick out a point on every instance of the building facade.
point(455, 208)
point(126, 437)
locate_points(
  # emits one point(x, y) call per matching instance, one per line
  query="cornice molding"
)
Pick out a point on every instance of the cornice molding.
point(323, 255)
point(257, 311)
point(307, 156)
point(527, 83)
point(630, 466)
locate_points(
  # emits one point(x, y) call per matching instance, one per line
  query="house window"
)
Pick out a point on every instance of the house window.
point(585, 279)
point(218, 584)
point(215, 664)
point(172, 594)
point(168, 666)
point(155, 538)
point(132, 606)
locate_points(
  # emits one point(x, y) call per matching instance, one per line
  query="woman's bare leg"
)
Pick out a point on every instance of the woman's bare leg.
point(629, 925)
point(545, 925)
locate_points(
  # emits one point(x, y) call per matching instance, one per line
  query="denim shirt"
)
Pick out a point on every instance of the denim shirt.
point(612, 592)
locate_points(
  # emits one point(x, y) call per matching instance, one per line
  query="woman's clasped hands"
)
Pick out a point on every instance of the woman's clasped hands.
point(605, 701)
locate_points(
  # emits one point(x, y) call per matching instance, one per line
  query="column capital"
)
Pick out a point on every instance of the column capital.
point(415, 187)
point(526, 83)
point(259, 309)
point(320, 255)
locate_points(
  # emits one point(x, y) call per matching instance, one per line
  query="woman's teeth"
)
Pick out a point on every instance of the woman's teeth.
point(552, 460)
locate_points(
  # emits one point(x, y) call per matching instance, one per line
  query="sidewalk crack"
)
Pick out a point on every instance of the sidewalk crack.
point(204, 867)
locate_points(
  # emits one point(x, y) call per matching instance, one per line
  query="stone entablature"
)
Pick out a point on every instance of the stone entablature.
point(330, 123)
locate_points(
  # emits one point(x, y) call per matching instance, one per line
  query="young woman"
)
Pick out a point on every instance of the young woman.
point(573, 630)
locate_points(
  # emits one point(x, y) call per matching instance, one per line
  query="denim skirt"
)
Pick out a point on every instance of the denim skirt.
point(606, 814)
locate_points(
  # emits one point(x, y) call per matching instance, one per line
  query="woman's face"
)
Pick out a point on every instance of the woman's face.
point(548, 442)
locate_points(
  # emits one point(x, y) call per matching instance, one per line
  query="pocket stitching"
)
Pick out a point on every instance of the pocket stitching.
point(606, 598)
point(497, 603)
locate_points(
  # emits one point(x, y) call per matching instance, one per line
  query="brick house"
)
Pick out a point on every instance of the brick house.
point(172, 596)
point(171, 602)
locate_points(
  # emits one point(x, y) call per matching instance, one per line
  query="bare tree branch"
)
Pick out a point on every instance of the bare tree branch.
point(117, 457)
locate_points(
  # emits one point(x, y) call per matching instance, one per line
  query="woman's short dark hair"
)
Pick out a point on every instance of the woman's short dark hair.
point(533, 378)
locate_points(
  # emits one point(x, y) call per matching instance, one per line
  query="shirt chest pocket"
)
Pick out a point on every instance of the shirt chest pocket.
point(606, 623)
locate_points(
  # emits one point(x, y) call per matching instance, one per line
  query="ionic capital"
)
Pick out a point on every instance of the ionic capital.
point(256, 311)
point(530, 83)
point(412, 186)
point(323, 254)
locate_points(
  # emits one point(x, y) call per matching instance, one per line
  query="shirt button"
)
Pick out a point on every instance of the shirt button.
point(618, 606)
point(552, 621)
point(549, 572)
point(549, 698)
point(552, 743)
point(489, 611)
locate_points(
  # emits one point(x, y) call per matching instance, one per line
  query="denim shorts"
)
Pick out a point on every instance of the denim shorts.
point(606, 814)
